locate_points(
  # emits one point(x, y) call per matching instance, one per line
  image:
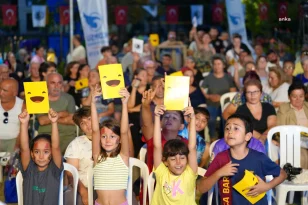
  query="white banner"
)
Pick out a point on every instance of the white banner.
point(93, 14)
point(39, 15)
point(196, 14)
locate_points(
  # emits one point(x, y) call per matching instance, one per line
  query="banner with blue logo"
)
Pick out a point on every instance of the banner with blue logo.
point(196, 13)
point(94, 21)
point(236, 18)
point(39, 15)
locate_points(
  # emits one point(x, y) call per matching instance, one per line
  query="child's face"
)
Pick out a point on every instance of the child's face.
point(201, 122)
point(109, 140)
point(86, 125)
point(41, 154)
point(176, 164)
point(171, 121)
point(235, 133)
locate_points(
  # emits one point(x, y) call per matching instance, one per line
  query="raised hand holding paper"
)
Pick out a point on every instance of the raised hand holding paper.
point(80, 84)
point(36, 97)
point(248, 180)
point(154, 39)
point(137, 45)
point(112, 80)
point(176, 92)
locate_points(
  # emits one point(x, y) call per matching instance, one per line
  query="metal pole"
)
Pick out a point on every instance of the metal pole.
point(71, 25)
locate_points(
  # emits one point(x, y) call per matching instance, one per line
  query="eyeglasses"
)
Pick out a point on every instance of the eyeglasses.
point(253, 92)
point(288, 68)
point(6, 115)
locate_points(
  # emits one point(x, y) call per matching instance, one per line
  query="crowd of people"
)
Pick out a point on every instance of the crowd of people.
point(271, 90)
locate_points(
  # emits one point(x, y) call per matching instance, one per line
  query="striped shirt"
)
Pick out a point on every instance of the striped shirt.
point(111, 174)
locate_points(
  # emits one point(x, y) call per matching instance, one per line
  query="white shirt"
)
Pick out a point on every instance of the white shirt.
point(79, 53)
point(10, 130)
point(280, 94)
point(81, 148)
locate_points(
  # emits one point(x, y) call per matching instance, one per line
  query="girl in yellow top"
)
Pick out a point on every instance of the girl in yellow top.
point(110, 150)
point(176, 165)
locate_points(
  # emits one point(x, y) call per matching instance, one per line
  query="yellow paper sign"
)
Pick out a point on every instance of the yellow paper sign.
point(154, 39)
point(36, 95)
point(80, 84)
point(176, 92)
point(178, 73)
point(112, 80)
point(248, 180)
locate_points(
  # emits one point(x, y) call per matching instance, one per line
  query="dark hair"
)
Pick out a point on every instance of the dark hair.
point(167, 55)
point(81, 113)
point(236, 35)
point(176, 111)
point(251, 75)
point(44, 68)
point(139, 70)
point(68, 68)
point(203, 111)
point(81, 66)
point(77, 37)
point(105, 48)
point(46, 137)
point(39, 47)
point(114, 126)
point(158, 77)
point(218, 57)
point(289, 61)
point(252, 82)
point(174, 147)
point(297, 85)
point(246, 120)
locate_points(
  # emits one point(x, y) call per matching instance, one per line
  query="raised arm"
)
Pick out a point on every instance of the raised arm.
point(159, 111)
point(24, 118)
point(192, 139)
point(124, 124)
point(55, 139)
point(132, 100)
point(146, 114)
point(96, 149)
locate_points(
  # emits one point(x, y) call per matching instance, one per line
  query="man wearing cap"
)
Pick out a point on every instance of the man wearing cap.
point(10, 107)
point(298, 66)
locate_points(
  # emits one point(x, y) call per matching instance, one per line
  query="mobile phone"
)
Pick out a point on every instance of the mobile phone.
point(137, 82)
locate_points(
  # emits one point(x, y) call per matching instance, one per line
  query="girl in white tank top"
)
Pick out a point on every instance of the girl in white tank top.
point(110, 150)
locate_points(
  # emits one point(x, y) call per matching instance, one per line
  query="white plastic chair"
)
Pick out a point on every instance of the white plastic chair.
point(67, 167)
point(77, 127)
point(289, 153)
point(143, 152)
point(151, 183)
point(224, 97)
point(4, 159)
point(144, 173)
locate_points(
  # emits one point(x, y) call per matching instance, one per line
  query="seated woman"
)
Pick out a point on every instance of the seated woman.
point(105, 108)
point(262, 115)
point(261, 69)
point(191, 64)
point(195, 93)
point(70, 79)
point(240, 98)
point(295, 113)
point(277, 87)
point(46, 68)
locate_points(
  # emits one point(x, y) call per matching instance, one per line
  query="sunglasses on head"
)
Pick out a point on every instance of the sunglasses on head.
point(6, 119)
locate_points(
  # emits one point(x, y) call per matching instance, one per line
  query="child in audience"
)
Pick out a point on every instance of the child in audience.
point(110, 150)
point(228, 166)
point(202, 117)
point(175, 164)
point(41, 164)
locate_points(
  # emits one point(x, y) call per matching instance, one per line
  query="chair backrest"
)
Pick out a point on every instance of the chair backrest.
point(77, 127)
point(151, 183)
point(74, 172)
point(67, 167)
point(19, 181)
point(143, 152)
point(224, 97)
point(90, 185)
point(289, 143)
point(144, 174)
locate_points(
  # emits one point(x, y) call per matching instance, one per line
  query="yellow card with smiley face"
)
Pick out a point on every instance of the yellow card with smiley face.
point(176, 92)
point(36, 95)
point(82, 83)
point(112, 80)
point(248, 180)
point(154, 39)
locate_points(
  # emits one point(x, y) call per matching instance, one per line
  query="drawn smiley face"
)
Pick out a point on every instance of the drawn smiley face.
point(114, 82)
point(36, 97)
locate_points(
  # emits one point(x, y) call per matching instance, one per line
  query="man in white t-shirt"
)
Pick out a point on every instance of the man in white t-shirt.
point(79, 154)
point(79, 52)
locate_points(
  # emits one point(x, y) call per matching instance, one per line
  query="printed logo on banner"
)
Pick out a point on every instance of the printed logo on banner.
point(39, 15)
point(94, 21)
point(235, 19)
